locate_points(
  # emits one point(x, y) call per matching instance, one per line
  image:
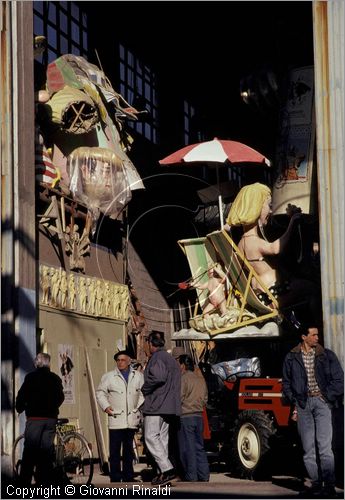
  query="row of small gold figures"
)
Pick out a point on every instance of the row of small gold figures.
point(84, 294)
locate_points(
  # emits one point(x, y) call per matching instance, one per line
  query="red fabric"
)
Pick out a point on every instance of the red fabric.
point(37, 418)
point(183, 285)
point(55, 79)
point(207, 432)
point(45, 169)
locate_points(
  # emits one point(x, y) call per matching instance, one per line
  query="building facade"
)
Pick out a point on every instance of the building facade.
point(56, 290)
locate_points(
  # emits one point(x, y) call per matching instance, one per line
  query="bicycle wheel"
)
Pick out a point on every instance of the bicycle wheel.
point(77, 458)
point(17, 451)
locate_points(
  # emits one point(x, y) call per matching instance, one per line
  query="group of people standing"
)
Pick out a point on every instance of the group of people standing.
point(171, 396)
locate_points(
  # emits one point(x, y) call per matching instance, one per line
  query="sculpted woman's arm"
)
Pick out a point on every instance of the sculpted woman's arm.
point(278, 246)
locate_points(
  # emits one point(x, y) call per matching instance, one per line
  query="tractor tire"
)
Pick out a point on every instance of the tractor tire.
point(250, 445)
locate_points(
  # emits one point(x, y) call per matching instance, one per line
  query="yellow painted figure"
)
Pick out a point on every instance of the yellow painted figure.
point(251, 210)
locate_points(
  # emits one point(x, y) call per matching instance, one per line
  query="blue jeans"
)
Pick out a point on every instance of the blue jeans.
point(193, 455)
point(314, 425)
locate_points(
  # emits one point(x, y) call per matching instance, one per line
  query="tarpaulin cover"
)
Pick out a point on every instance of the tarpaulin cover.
point(241, 367)
point(72, 110)
point(75, 71)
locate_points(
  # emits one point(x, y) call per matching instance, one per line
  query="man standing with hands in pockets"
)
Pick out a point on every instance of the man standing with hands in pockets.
point(119, 395)
point(313, 382)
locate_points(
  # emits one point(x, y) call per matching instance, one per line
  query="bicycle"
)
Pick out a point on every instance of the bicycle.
point(73, 456)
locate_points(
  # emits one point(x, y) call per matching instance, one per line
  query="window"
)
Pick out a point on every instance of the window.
point(65, 27)
point(138, 87)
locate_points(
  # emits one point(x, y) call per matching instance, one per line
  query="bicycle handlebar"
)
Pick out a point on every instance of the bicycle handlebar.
point(62, 421)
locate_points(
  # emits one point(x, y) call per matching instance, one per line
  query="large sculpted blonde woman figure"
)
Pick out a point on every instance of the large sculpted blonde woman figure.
point(251, 209)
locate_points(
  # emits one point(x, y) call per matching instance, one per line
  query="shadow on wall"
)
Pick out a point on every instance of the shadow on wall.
point(18, 305)
point(338, 445)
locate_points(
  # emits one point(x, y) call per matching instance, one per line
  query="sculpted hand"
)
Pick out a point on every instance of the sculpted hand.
point(295, 216)
point(293, 209)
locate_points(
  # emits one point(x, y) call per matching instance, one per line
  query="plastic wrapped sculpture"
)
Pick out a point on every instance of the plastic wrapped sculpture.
point(98, 179)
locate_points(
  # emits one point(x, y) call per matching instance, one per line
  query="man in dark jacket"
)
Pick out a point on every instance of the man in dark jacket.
point(313, 382)
point(162, 391)
point(40, 397)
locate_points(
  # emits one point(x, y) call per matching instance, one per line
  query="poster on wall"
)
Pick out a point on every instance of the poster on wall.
point(297, 157)
point(295, 149)
point(300, 95)
point(66, 368)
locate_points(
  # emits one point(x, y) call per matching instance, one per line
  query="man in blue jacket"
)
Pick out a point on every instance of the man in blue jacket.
point(162, 391)
point(313, 382)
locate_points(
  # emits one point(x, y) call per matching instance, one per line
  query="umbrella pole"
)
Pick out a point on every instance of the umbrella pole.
point(220, 204)
point(220, 201)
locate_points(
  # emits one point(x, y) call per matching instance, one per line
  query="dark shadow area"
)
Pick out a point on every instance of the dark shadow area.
point(206, 72)
point(338, 444)
point(292, 483)
point(109, 233)
point(158, 218)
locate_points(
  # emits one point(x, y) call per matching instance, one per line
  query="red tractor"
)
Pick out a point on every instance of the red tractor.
point(246, 432)
point(247, 422)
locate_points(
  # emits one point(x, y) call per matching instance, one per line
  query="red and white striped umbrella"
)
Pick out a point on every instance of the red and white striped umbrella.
point(216, 151)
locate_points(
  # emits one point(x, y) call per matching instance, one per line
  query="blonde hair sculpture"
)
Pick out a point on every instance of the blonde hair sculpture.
point(247, 206)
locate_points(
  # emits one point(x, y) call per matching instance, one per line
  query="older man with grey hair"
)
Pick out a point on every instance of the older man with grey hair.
point(120, 397)
point(40, 396)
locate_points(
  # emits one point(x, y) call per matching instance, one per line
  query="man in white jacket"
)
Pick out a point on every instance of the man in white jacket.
point(119, 395)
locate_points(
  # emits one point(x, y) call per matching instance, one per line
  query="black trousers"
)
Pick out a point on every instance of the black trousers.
point(38, 451)
point(124, 438)
point(174, 451)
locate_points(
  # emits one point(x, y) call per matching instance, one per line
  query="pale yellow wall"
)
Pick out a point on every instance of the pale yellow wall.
point(100, 337)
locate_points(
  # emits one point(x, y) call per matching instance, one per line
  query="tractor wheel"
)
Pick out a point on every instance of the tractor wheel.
point(250, 444)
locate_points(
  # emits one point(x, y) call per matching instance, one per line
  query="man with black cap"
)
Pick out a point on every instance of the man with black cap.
point(119, 395)
point(162, 391)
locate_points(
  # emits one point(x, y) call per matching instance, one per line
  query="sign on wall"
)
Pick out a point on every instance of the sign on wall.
point(293, 183)
point(66, 368)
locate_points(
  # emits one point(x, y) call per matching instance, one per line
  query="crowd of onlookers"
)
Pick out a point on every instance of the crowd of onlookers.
point(170, 396)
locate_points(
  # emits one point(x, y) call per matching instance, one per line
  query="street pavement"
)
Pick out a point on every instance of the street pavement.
point(221, 485)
